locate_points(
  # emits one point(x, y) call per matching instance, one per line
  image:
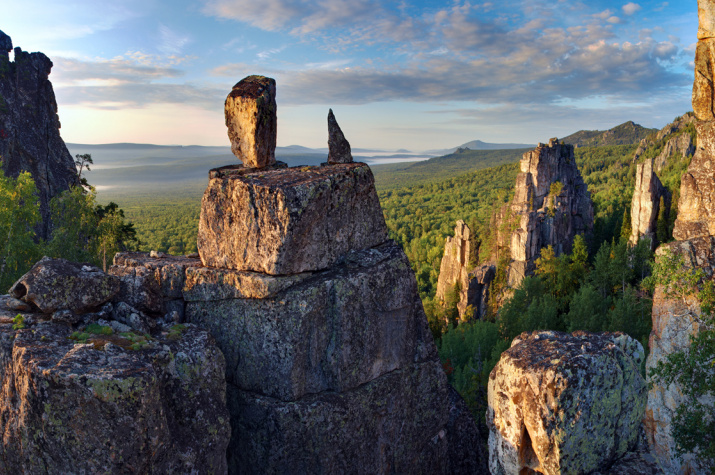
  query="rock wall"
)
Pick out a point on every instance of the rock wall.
point(82, 392)
point(646, 204)
point(566, 403)
point(29, 126)
point(676, 320)
point(678, 145)
point(551, 205)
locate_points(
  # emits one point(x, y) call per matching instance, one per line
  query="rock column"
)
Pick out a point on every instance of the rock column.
point(675, 320)
point(646, 203)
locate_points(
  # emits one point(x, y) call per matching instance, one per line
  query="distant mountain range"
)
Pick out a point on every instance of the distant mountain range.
point(626, 133)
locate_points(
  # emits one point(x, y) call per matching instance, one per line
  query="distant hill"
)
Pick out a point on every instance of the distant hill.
point(628, 133)
point(479, 145)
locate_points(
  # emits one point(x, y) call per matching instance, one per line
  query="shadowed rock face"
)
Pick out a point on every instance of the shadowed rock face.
point(646, 203)
point(565, 403)
point(29, 126)
point(250, 111)
point(338, 146)
point(551, 205)
point(288, 221)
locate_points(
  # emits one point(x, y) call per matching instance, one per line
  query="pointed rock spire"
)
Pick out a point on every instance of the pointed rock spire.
point(338, 146)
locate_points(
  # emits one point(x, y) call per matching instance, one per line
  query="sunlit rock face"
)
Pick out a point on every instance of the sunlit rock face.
point(675, 321)
point(30, 127)
point(338, 146)
point(565, 403)
point(551, 205)
point(289, 220)
point(645, 205)
point(250, 111)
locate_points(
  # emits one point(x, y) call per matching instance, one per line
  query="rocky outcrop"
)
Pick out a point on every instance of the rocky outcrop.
point(672, 142)
point(681, 146)
point(250, 111)
point(86, 394)
point(30, 128)
point(338, 146)
point(674, 322)
point(646, 204)
point(288, 221)
point(456, 272)
point(58, 284)
point(565, 403)
point(551, 206)
point(677, 319)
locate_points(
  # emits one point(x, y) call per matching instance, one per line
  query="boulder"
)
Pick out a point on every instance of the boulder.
point(645, 205)
point(338, 146)
point(291, 220)
point(565, 403)
point(30, 128)
point(250, 111)
point(57, 284)
point(103, 407)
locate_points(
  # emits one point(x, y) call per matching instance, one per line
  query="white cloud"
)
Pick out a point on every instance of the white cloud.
point(171, 43)
point(630, 8)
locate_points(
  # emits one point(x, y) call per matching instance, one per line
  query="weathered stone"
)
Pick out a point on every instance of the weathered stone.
point(133, 318)
point(455, 270)
point(565, 403)
point(56, 284)
point(674, 322)
point(13, 304)
point(68, 407)
point(551, 206)
point(706, 18)
point(406, 421)
point(703, 92)
point(148, 283)
point(209, 283)
point(29, 127)
point(332, 332)
point(289, 221)
point(338, 146)
point(678, 147)
point(252, 122)
point(645, 205)
point(696, 206)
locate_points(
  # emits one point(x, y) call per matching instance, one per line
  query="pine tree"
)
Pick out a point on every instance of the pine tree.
point(661, 226)
point(626, 226)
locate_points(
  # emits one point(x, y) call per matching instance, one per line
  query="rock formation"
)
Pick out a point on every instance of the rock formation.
point(678, 145)
point(676, 320)
point(250, 110)
point(29, 126)
point(565, 403)
point(455, 270)
point(646, 203)
point(551, 206)
point(338, 146)
point(84, 393)
point(288, 221)
point(330, 363)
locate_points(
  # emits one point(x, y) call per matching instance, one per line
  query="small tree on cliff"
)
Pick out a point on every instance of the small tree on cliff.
point(693, 369)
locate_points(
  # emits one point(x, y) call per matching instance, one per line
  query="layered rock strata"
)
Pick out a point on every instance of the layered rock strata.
point(288, 221)
point(30, 128)
point(338, 146)
point(646, 204)
point(565, 403)
point(84, 393)
point(456, 272)
point(250, 111)
point(330, 363)
point(551, 206)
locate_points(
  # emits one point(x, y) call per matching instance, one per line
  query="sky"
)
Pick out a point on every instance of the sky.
point(417, 75)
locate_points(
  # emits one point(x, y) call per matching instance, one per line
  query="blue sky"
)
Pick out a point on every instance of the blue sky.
point(403, 74)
